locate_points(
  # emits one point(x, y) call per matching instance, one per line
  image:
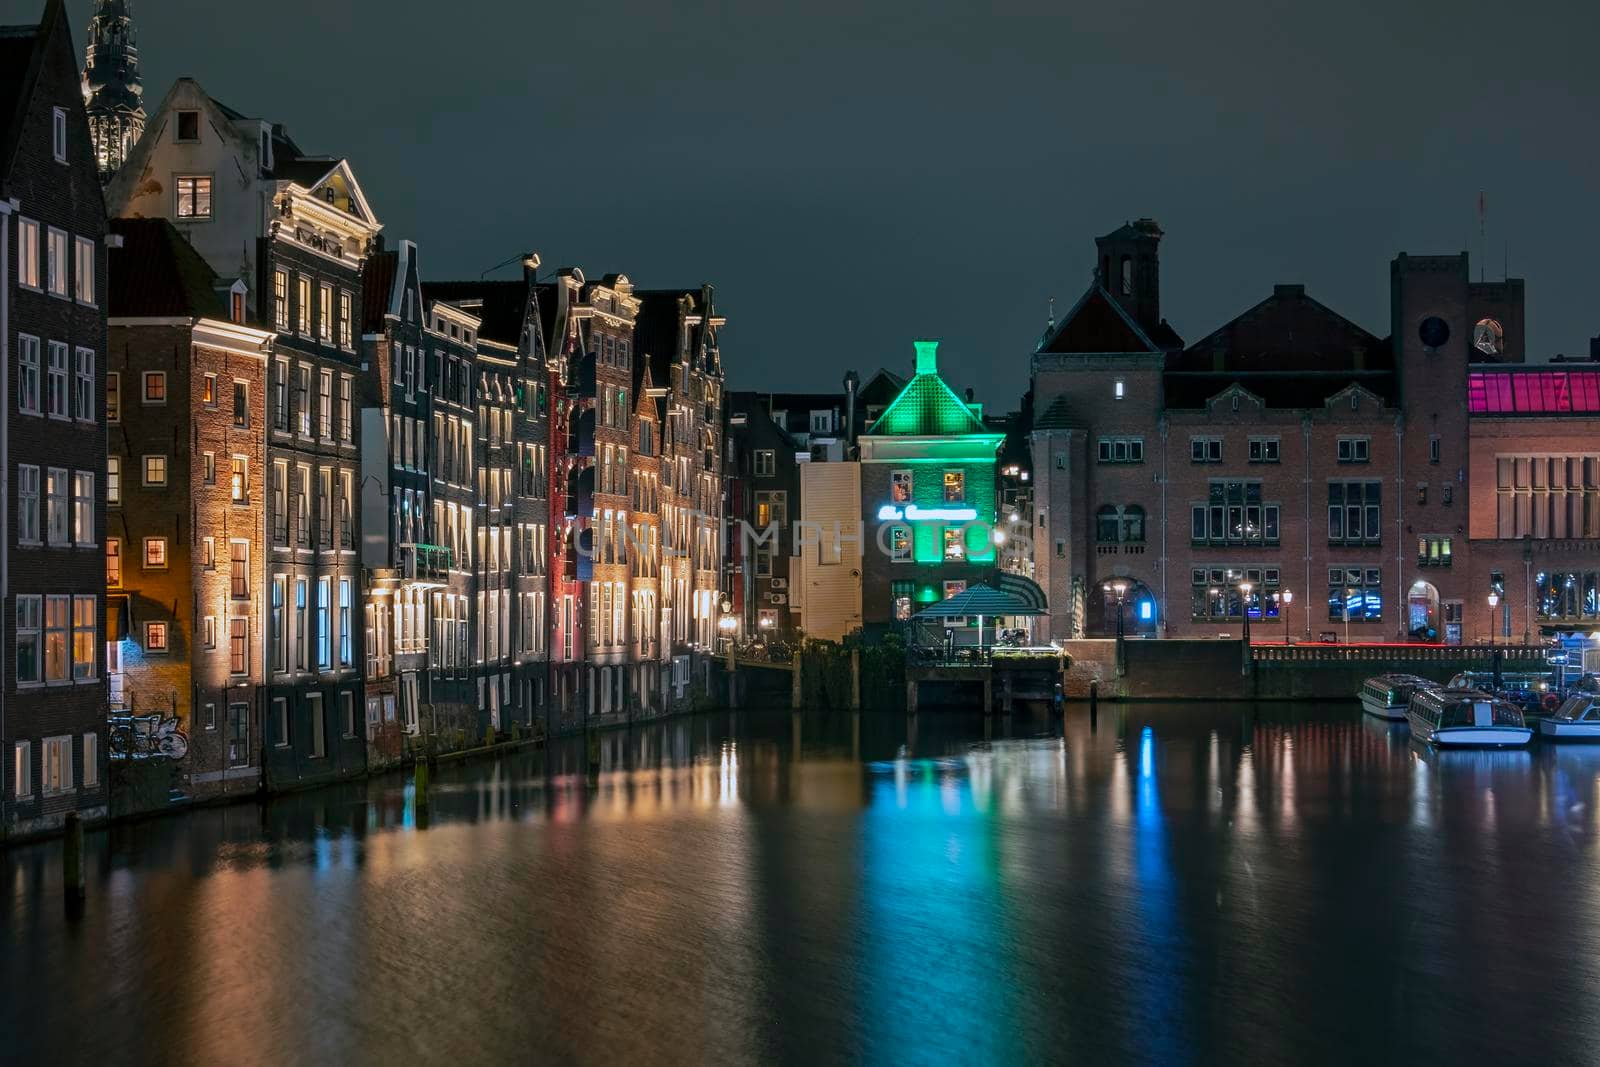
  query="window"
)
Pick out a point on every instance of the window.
point(58, 134)
point(238, 646)
point(1119, 389)
point(56, 260)
point(954, 588)
point(346, 653)
point(302, 287)
point(324, 631)
point(1205, 449)
point(347, 712)
point(188, 126)
point(83, 385)
point(1121, 450)
point(208, 391)
point(301, 626)
point(1263, 450)
point(83, 270)
point(55, 513)
point(1433, 551)
point(28, 253)
point(239, 485)
point(346, 335)
point(325, 404)
point(1216, 593)
point(113, 561)
point(194, 197)
point(1355, 512)
point(319, 743)
point(303, 399)
point(56, 389)
point(325, 311)
point(1234, 513)
point(280, 299)
point(280, 722)
point(208, 553)
point(239, 569)
point(28, 374)
point(29, 619)
point(155, 553)
point(57, 763)
point(765, 467)
point(900, 485)
point(209, 716)
point(955, 547)
point(113, 397)
point(346, 429)
point(208, 468)
point(91, 761)
point(1354, 449)
point(22, 768)
point(1433, 448)
point(85, 637)
point(241, 404)
point(1356, 592)
point(238, 735)
point(155, 387)
point(155, 637)
point(900, 544)
point(27, 504)
point(208, 632)
point(155, 470)
point(236, 306)
point(83, 508)
point(955, 487)
point(900, 596)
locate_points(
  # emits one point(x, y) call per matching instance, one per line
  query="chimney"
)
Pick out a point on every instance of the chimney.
point(852, 382)
point(927, 356)
point(530, 266)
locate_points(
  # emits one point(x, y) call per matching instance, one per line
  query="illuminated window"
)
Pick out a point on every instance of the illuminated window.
point(955, 547)
point(155, 387)
point(955, 487)
point(900, 594)
point(155, 470)
point(194, 197)
point(900, 487)
point(155, 637)
point(155, 553)
point(900, 544)
point(1119, 389)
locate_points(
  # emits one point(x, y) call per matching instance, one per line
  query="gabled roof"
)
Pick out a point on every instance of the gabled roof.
point(158, 274)
point(1098, 325)
point(1288, 331)
point(927, 407)
point(377, 286)
point(657, 330)
point(502, 305)
point(22, 52)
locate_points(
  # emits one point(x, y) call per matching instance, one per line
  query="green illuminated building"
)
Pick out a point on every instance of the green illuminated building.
point(927, 497)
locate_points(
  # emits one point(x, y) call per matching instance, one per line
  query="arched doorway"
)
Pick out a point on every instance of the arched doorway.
point(1422, 612)
point(1138, 609)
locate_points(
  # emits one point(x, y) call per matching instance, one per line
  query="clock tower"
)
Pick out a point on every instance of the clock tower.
point(112, 90)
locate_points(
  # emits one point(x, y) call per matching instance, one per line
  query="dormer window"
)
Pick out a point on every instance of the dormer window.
point(188, 126)
point(1127, 275)
point(266, 149)
point(236, 305)
point(58, 134)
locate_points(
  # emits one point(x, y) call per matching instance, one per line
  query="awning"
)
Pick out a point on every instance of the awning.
point(1023, 588)
point(980, 600)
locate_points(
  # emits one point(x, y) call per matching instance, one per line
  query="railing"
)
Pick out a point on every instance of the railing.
point(1392, 653)
point(940, 656)
point(425, 563)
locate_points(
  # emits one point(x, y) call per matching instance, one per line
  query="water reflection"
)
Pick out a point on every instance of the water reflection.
point(1163, 883)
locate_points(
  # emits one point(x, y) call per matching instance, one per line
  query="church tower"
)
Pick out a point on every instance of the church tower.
point(112, 90)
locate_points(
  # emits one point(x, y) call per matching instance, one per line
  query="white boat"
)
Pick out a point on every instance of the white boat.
point(1388, 696)
point(1466, 718)
point(1577, 719)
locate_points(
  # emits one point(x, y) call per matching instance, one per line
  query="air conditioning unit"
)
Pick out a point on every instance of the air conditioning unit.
point(780, 598)
point(780, 583)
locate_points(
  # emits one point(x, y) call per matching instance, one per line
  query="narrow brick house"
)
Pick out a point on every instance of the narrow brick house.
point(186, 393)
point(52, 436)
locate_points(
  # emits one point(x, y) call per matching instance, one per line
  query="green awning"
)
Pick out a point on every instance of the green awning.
point(980, 600)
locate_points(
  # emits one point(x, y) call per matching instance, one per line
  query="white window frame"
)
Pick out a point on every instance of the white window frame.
point(57, 245)
point(29, 254)
point(82, 399)
point(144, 470)
point(58, 134)
point(83, 271)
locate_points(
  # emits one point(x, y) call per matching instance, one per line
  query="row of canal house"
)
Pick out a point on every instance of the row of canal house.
point(354, 508)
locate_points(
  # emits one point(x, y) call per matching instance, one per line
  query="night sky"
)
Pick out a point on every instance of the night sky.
point(854, 175)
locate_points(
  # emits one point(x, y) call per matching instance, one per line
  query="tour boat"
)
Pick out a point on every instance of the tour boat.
point(1388, 696)
point(1577, 719)
point(1466, 718)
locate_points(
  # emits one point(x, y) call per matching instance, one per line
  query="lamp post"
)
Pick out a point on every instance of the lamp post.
point(1120, 590)
point(1494, 602)
point(1349, 592)
point(1285, 599)
point(1244, 606)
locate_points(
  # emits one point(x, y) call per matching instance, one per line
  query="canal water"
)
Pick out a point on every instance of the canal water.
point(1178, 884)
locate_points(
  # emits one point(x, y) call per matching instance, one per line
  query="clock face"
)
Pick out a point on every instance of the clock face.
point(1488, 337)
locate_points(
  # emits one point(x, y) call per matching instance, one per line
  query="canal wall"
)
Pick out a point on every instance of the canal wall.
point(1206, 669)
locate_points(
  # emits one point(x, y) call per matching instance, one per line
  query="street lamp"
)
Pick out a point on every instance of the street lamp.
point(1285, 598)
point(1120, 588)
point(1244, 605)
point(1494, 602)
